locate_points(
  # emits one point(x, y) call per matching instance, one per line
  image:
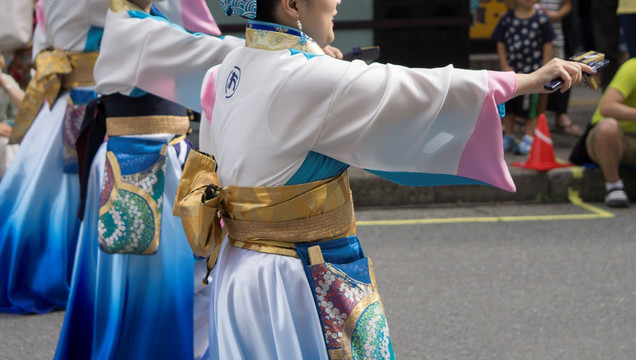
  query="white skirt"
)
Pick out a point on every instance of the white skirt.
point(261, 307)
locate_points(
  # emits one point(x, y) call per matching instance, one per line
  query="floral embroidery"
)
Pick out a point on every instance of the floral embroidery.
point(72, 124)
point(350, 310)
point(373, 341)
point(131, 203)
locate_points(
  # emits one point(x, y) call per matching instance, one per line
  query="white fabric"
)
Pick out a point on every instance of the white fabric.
point(16, 23)
point(262, 308)
point(378, 117)
point(158, 58)
point(67, 22)
point(200, 311)
point(40, 42)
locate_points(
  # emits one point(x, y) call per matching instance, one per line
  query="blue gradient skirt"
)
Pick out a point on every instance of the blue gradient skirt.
point(135, 306)
point(38, 219)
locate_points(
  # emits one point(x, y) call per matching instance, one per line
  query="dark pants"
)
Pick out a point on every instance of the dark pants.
point(628, 23)
point(606, 36)
point(558, 102)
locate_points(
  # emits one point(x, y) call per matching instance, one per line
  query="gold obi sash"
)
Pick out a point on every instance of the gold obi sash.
point(56, 70)
point(265, 219)
point(148, 124)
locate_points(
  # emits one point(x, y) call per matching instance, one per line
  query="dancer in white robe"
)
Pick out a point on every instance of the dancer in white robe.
point(278, 113)
point(127, 305)
point(39, 192)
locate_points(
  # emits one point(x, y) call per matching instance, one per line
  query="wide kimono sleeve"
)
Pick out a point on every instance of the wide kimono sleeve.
point(208, 97)
point(419, 126)
point(193, 15)
point(151, 54)
point(74, 25)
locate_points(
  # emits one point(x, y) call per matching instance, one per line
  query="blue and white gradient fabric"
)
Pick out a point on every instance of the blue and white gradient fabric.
point(39, 224)
point(135, 306)
point(38, 200)
point(244, 8)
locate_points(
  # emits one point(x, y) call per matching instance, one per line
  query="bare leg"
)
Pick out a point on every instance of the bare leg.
point(531, 124)
point(508, 123)
point(608, 148)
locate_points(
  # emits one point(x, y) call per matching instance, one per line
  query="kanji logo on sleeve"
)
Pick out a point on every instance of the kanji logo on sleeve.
point(232, 82)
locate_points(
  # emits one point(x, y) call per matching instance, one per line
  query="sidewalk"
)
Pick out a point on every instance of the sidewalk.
point(532, 186)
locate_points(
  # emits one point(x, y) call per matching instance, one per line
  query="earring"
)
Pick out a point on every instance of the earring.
point(303, 36)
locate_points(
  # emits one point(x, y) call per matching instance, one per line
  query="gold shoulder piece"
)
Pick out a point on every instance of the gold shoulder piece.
point(123, 5)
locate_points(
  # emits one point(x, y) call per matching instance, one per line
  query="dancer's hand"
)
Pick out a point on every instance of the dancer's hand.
point(5, 130)
point(333, 52)
point(570, 71)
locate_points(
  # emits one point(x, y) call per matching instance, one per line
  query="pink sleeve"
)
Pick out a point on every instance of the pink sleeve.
point(39, 14)
point(487, 137)
point(502, 85)
point(208, 95)
point(197, 18)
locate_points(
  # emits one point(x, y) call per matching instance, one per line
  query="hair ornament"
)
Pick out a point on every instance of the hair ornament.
point(244, 8)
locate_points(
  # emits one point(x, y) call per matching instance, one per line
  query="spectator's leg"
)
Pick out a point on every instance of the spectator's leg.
point(628, 23)
point(607, 148)
point(606, 36)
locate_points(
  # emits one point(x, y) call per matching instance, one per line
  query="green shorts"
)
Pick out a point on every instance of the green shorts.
point(524, 106)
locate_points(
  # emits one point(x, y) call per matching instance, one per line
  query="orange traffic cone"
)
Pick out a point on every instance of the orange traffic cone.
point(542, 152)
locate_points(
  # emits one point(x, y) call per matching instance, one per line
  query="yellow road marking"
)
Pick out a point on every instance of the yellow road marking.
point(577, 172)
point(573, 196)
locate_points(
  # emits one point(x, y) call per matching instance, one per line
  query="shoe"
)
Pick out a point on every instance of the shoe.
point(524, 146)
point(509, 143)
point(616, 198)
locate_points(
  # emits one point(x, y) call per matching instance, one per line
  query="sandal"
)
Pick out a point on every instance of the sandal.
point(570, 128)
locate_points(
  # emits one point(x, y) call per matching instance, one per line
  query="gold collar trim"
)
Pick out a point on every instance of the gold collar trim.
point(268, 36)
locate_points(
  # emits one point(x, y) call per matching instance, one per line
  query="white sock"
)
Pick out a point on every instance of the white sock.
point(614, 185)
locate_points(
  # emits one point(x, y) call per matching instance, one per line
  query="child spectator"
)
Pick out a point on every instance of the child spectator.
point(524, 43)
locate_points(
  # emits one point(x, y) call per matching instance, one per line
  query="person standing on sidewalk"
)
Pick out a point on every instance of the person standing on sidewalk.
point(612, 139)
point(524, 42)
point(557, 10)
point(627, 17)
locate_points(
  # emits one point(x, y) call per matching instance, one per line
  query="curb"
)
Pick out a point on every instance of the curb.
point(532, 187)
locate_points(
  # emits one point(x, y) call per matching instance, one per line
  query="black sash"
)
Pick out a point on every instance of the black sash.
point(93, 129)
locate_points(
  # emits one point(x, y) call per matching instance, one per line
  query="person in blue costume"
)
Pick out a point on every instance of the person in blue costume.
point(39, 193)
point(136, 289)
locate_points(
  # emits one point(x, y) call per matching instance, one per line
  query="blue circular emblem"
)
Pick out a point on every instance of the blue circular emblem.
point(232, 82)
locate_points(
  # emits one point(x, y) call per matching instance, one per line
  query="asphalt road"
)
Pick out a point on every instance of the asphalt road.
point(531, 281)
